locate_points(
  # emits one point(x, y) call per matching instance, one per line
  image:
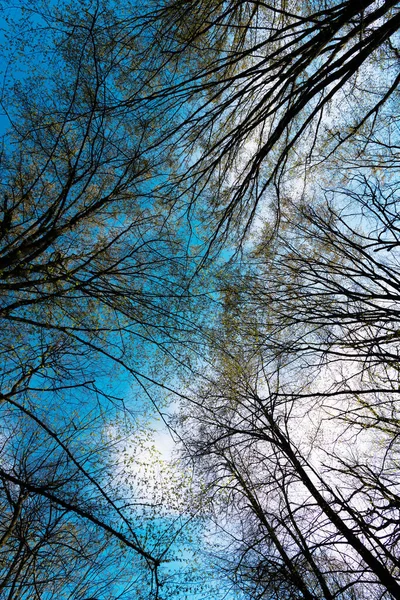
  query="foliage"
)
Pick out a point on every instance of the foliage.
point(92, 305)
point(139, 139)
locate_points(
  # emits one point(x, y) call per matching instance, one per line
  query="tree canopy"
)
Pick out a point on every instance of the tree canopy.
point(199, 224)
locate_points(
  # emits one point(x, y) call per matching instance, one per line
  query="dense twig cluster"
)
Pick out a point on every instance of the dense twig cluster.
point(128, 125)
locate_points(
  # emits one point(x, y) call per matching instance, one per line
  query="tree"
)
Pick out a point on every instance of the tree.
point(296, 427)
point(92, 280)
point(128, 126)
point(45, 550)
point(69, 528)
point(268, 91)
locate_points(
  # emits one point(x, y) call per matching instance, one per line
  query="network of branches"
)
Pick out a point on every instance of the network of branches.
point(199, 227)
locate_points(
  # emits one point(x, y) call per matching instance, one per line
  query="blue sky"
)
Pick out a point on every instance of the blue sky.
point(187, 560)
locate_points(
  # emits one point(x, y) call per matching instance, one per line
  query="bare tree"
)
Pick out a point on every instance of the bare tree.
point(295, 429)
point(266, 88)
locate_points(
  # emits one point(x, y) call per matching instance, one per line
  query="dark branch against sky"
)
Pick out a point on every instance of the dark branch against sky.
point(199, 232)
